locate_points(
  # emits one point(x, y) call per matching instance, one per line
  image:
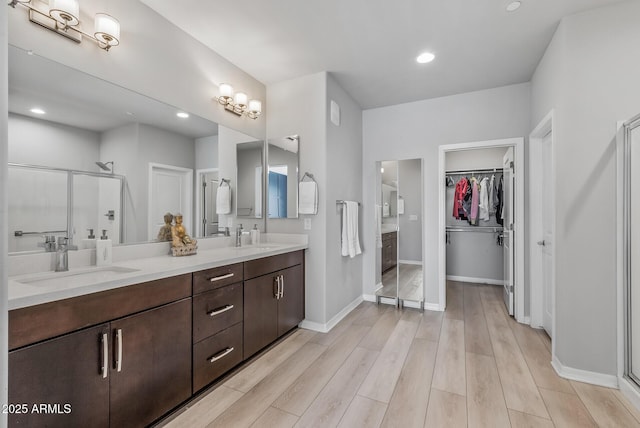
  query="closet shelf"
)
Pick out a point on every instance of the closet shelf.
point(486, 229)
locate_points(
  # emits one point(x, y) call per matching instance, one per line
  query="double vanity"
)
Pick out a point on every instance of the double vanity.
point(123, 345)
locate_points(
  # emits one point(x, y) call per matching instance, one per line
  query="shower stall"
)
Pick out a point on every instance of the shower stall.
point(46, 201)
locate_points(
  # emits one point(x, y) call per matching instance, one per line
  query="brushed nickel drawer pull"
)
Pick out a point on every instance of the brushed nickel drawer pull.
point(105, 355)
point(119, 350)
point(220, 310)
point(221, 354)
point(221, 277)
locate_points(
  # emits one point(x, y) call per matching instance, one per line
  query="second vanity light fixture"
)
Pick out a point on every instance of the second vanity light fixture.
point(62, 16)
point(239, 102)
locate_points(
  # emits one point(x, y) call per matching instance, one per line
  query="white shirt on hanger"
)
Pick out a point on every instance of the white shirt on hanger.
point(484, 200)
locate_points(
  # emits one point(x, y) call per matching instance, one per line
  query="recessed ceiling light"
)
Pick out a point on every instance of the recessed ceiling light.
point(425, 57)
point(37, 110)
point(128, 113)
point(182, 115)
point(513, 6)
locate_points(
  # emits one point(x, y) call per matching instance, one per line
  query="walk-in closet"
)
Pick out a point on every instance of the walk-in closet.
point(479, 219)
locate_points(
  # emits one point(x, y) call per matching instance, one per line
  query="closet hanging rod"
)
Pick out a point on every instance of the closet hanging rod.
point(486, 229)
point(340, 201)
point(474, 171)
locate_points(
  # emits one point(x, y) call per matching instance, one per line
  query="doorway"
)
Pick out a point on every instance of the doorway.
point(206, 215)
point(170, 190)
point(492, 231)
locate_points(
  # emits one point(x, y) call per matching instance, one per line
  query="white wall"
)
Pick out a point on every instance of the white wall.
point(344, 172)
point(415, 130)
point(589, 76)
point(475, 159)
point(154, 58)
point(4, 261)
point(287, 118)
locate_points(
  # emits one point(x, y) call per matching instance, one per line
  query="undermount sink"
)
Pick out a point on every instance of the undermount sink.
point(76, 277)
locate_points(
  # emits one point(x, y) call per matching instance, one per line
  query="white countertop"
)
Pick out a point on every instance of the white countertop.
point(43, 287)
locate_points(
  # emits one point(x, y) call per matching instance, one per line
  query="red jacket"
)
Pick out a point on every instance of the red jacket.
point(461, 189)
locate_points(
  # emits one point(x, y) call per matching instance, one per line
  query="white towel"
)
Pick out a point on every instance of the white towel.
point(223, 199)
point(308, 197)
point(400, 205)
point(378, 217)
point(350, 238)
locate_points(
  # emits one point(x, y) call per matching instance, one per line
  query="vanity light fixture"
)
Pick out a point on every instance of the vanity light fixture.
point(239, 102)
point(63, 17)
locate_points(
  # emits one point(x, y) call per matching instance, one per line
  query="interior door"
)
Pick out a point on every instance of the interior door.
point(547, 236)
point(508, 216)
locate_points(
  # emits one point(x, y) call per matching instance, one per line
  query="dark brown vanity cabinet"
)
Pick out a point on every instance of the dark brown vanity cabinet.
point(128, 370)
point(389, 250)
point(217, 323)
point(273, 299)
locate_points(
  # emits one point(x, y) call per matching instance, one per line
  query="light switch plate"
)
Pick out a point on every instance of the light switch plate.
point(307, 224)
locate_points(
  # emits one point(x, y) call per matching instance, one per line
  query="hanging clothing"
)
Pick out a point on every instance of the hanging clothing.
point(458, 199)
point(492, 194)
point(475, 199)
point(499, 206)
point(484, 200)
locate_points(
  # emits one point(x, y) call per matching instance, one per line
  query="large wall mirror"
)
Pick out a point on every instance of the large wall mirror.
point(282, 188)
point(87, 154)
point(250, 179)
point(398, 234)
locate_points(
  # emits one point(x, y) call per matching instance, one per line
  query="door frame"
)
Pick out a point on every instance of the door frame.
point(536, 166)
point(198, 231)
point(187, 215)
point(518, 145)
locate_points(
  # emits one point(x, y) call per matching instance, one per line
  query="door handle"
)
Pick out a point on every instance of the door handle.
point(281, 286)
point(276, 283)
point(105, 355)
point(119, 350)
point(542, 243)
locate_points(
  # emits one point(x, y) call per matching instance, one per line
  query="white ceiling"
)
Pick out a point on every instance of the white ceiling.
point(370, 46)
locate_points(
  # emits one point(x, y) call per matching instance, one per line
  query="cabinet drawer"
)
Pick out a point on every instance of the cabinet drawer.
point(216, 310)
point(263, 266)
point(211, 279)
point(225, 348)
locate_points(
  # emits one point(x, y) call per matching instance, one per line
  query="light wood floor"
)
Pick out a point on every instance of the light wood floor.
point(408, 286)
point(382, 367)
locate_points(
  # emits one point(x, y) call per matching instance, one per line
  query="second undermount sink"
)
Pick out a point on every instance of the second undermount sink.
point(75, 277)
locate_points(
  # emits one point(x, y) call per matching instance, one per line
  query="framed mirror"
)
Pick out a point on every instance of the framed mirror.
point(250, 179)
point(67, 121)
point(282, 178)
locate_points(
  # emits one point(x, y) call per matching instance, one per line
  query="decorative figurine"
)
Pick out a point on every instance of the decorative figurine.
point(181, 243)
point(165, 231)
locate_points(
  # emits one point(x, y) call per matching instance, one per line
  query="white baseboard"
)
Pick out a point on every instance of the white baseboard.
point(630, 391)
point(411, 304)
point(410, 262)
point(475, 280)
point(325, 328)
point(601, 379)
point(433, 307)
point(369, 297)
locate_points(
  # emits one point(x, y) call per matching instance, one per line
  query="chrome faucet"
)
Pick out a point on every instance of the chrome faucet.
point(62, 254)
point(239, 235)
point(49, 243)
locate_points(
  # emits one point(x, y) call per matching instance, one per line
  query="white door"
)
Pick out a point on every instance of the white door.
point(546, 243)
point(508, 187)
point(170, 191)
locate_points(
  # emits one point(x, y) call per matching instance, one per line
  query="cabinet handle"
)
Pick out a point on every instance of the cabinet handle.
point(276, 292)
point(105, 355)
point(220, 354)
point(220, 310)
point(221, 277)
point(119, 350)
point(281, 286)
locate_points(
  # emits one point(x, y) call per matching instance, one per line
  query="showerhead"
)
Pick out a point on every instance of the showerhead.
point(104, 167)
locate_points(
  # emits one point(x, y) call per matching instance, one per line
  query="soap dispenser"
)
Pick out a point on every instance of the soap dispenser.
point(90, 240)
point(103, 250)
point(255, 235)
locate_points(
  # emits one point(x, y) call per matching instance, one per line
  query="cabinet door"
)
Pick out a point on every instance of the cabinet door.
point(154, 373)
point(260, 313)
point(291, 302)
point(64, 379)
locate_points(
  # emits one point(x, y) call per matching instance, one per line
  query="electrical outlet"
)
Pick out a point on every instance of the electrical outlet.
point(307, 224)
